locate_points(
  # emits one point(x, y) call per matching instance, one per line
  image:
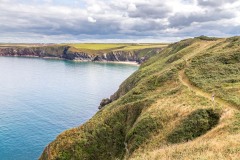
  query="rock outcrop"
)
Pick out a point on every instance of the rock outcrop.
point(104, 102)
point(46, 51)
point(64, 52)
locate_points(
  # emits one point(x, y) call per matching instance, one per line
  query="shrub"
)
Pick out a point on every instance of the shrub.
point(207, 38)
point(195, 125)
point(141, 132)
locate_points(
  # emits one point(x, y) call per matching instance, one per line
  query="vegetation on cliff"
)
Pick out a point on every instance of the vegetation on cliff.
point(85, 51)
point(166, 109)
point(116, 46)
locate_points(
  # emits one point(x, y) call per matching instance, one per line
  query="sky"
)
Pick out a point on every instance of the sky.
point(113, 21)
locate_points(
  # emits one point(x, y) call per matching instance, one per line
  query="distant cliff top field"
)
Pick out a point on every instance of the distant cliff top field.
point(137, 53)
point(92, 46)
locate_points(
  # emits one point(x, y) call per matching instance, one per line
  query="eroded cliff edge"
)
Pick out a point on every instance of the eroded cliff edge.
point(65, 52)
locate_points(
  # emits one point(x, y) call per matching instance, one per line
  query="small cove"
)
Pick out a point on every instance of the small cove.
point(40, 98)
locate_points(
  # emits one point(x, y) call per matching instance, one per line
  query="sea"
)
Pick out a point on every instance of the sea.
point(40, 98)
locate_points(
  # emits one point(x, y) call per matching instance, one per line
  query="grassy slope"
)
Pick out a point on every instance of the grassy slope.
point(100, 48)
point(113, 46)
point(96, 46)
point(157, 109)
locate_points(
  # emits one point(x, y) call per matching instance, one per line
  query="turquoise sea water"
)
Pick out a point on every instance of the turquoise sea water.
point(40, 98)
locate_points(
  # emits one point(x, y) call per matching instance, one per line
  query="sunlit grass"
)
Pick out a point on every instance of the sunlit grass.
point(154, 104)
point(96, 46)
point(115, 46)
point(142, 46)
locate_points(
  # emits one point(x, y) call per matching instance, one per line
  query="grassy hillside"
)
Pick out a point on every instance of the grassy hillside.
point(165, 109)
point(93, 49)
point(100, 48)
point(97, 46)
point(113, 46)
point(86, 52)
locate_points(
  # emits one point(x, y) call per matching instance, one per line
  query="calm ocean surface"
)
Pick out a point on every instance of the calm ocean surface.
point(40, 98)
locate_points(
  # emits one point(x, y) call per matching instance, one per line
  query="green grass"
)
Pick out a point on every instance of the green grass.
point(235, 126)
point(195, 125)
point(97, 46)
point(217, 73)
point(141, 131)
point(207, 38)
point(126, 51)
point(113, 46)
point(153, 109)
point(93, 46)
point(142, 46)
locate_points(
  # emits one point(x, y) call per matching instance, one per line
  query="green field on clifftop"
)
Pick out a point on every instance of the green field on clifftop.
point(165, 109)
point(90, 48)
point(116, 46)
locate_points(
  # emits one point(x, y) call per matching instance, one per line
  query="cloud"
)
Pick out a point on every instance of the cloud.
point(116, 20)
point(214, 3)
point(132, 7)
point(148, 10)
point(182, 20)
point(92, 20)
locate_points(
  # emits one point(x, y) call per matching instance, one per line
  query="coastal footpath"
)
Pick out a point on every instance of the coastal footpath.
point(166, 109)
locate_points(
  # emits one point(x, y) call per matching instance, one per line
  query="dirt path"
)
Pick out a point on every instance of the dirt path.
point(185, 81)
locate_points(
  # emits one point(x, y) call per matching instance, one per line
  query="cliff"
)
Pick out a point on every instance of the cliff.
point(166, 109)
point(66, 52)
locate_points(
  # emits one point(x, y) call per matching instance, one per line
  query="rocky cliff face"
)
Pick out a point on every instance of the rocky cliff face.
point(48, 51)
point(64, 52)
point(117, 56)
point(81, 56)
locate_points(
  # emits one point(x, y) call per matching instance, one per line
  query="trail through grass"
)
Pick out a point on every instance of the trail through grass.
point(185, 81)
point(168, 98)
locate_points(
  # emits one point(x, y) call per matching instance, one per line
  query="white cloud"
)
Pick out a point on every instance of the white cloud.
point(132, 7)
point(119, 20)
point(92, 20)
point(94, 8)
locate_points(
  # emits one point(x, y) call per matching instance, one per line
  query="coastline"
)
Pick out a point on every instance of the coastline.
point(76, 60)
point(31, 56)
point(113, 62)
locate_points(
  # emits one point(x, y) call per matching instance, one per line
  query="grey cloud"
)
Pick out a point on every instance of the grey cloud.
point(214, 3)
point(149, 11)
point(181, 20)
point(144, 20)
point(59, 27)
point(50, 24)
point(209, 29)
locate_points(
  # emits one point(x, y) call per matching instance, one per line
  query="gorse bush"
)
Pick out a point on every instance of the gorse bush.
point(233, 42)
point(195, 125)
point(207, 38)
point(140, 132)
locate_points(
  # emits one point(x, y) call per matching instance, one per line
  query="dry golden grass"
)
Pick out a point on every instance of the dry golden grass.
point(153, 103)
point(218, 143)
